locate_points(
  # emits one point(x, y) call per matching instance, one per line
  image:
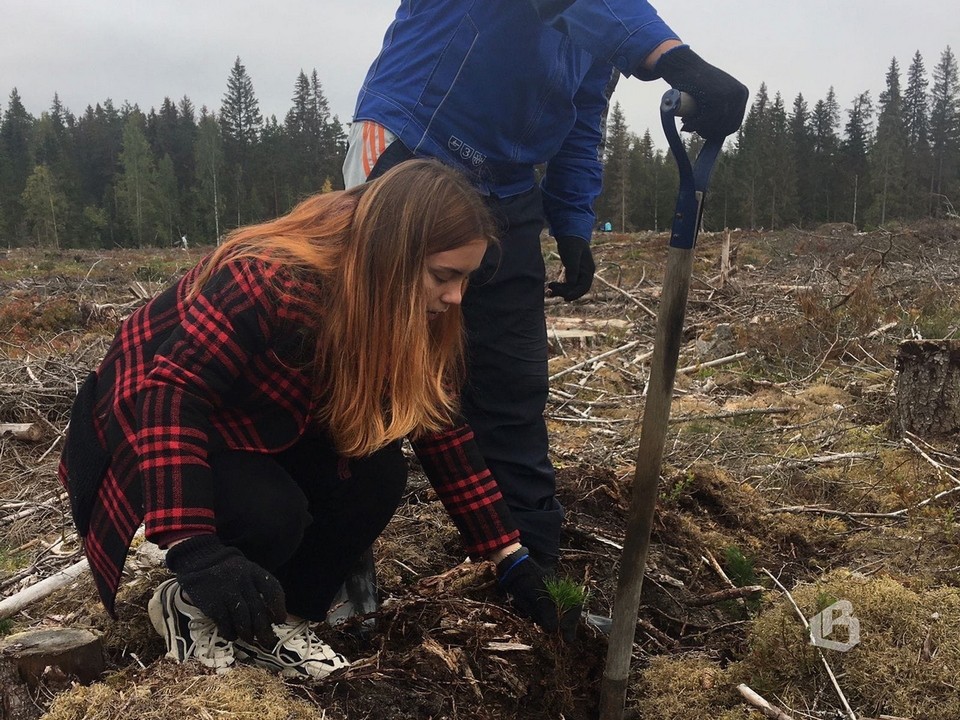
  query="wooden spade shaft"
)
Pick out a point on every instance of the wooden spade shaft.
point(694, 179)
point(656, 415)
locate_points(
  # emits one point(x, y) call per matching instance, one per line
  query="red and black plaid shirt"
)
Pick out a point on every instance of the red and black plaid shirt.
point(184, 378)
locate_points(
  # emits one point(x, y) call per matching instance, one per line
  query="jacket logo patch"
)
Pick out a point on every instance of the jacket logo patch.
point(466, 152)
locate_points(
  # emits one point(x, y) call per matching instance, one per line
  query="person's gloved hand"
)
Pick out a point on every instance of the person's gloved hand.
point(721, 98)
point(578, 268)
point(241, 597)
point(523, 579)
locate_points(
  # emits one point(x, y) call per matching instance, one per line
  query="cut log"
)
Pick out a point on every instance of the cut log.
point(63, 654)
point(927, 400)
point(30, 432)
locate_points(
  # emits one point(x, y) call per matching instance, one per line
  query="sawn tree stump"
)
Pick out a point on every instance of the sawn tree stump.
point(928, 388)
point(53, 656)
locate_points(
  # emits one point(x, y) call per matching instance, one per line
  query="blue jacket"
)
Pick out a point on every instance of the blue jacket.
point(500, 86)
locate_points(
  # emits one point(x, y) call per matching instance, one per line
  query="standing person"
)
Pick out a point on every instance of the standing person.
point(251, 416)
point(497, 88)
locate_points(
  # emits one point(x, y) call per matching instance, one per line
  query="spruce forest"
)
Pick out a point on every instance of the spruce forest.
point(122, 177)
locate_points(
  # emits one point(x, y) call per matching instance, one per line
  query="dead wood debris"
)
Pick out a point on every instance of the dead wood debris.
point(777, 453)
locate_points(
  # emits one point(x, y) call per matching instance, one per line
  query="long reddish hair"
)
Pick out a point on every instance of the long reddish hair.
point(382, 370)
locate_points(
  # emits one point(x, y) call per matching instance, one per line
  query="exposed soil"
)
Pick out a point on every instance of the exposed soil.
point(781, 459)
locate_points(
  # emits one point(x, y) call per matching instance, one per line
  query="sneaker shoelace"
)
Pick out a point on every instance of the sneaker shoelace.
point(207, 643)
point(300, 638)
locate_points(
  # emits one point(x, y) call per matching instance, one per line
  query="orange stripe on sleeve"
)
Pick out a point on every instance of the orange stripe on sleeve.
point(368, 153)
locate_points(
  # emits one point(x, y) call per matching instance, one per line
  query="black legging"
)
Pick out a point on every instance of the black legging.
point(306, 514)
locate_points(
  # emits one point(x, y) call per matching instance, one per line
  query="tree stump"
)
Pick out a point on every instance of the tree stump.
point(52, 656)
point(928, 388)
point(16, 702)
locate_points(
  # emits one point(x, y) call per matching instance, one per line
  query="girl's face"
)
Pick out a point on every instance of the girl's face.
point(445, 275)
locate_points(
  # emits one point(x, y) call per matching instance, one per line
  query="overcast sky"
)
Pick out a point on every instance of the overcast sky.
point(139, 51)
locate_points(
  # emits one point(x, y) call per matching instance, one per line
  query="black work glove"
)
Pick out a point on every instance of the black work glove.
point(721, 98)
point(523, 579)
point(578, 268)
point(241, 597)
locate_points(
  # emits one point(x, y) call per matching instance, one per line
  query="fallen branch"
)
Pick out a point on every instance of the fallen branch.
point(658, 636)
point(770, 711)
point(882, 329)
point(712, 363)
point(18, 601)
point(815, 510)
point(733, 413)
point(727, 594)
point(51, 504)
point(630, 297)
point(711, 561)
point(940, 467)
point(833, 678)
point(30, 432)
point(815, 460)
point(608, 353)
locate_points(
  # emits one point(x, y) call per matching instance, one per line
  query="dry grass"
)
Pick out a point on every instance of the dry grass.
point(786, 490)
point(167, 691)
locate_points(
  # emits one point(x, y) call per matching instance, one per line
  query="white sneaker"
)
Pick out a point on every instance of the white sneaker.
point(299, 653)
point(187, 631)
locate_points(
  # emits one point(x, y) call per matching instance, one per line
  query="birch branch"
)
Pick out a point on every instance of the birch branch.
point(770, 711)
point(833, 678)
point(18, 601)
point(712, 363)
point(608, 353)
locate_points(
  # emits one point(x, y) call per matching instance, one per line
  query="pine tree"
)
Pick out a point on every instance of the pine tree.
point(183, 162)
point(301, 155)
point(240, 118)
point(15, 135)
point(241, 124)
point(615, 202)
point(945, 133)
point(781, 179)
point(826, 126)
point(888, 153)
point(644, 182)
point(753, 142)
point(167, 202)
point(331, 145)
point(853, 154)
point(803, 147)
point(272, 173)
point(916, 102)
point(297, 119)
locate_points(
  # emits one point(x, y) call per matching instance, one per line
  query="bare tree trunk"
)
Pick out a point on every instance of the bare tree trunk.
point(928, 388)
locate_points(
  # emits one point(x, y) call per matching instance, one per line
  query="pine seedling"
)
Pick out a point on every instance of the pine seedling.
point(566, 594)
